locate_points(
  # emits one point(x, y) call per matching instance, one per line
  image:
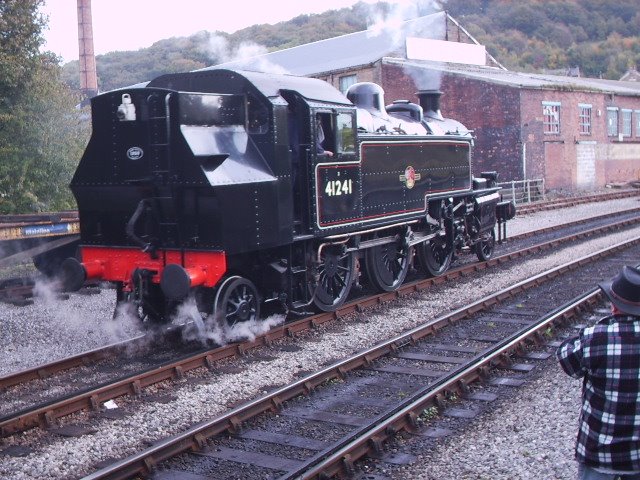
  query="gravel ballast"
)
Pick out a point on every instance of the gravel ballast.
point(530, 435)
point(84, 322)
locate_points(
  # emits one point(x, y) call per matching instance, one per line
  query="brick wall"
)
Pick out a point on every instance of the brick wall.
point(507, 121)
point(572, 160)
point(491, 111)
point(369, 73)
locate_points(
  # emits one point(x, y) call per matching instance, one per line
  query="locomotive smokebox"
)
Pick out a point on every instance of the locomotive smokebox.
point(430, 103)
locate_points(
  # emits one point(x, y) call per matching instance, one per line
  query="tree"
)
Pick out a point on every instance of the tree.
point(20, 40)
point(41, 131)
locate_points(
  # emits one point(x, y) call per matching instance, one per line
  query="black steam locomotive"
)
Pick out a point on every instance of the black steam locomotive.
point(241, 188)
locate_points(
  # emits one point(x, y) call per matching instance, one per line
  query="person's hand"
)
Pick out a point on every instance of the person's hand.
point(328, 153)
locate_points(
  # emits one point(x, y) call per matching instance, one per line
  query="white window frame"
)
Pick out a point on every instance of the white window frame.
point(585, 112)
point(612, 130)
point(637, 112)
point(551, 118)
point(348, 80)
point(627, 122)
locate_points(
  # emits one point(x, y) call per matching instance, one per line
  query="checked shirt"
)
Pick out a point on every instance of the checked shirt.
point(607, 356)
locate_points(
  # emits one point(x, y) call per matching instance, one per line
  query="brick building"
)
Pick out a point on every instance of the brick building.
point(576, 133)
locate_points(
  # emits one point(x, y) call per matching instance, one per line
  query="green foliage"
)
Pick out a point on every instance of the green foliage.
point(598, 36)
point(120, 69)
point(20, 28)
point(41, 135)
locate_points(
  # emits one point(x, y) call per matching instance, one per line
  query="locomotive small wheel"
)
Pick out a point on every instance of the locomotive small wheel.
point(484, 248)
point(147, 304)
point(238, 301)
point(336, 276)
point(435, 256)
point(387, 265)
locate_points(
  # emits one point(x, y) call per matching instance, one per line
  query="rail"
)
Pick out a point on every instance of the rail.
point(48, 412)
point(339, 459)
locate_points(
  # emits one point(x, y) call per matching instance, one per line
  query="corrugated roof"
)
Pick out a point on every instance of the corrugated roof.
point(346, 51)
point(525, 80)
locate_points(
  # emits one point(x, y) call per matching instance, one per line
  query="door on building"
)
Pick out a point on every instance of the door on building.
point(557, 168)
point(586, 165)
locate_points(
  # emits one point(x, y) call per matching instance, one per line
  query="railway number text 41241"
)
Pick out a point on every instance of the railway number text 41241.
point(339, 187)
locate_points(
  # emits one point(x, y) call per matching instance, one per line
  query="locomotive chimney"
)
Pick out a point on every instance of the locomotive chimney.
point(88, 75)
point(430, 103)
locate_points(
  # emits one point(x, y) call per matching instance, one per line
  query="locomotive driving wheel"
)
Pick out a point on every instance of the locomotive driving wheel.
point(237, 301)
point(335, 276)
point(484, 248)
point(435, 256)
point(387, 265)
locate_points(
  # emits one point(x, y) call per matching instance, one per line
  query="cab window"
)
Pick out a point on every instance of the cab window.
point(345, 138)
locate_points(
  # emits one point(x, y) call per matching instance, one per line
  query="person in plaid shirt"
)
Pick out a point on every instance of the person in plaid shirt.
point(607, 357)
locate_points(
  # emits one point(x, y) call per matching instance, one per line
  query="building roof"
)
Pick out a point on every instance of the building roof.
point(389, 44)
point(345, 51)
point(521, 79)
point(631, 75)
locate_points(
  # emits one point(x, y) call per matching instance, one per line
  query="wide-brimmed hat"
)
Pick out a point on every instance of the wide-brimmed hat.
point(623, 290)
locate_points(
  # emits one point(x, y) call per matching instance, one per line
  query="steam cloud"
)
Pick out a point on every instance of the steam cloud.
point(216, 330)
point(246, 55)
point(391, 25)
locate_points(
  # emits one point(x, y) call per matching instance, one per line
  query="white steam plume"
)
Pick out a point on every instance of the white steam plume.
point(247, 55)
point(211, 329)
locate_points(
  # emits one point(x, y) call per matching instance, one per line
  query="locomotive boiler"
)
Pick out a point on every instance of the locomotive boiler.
point(239, 188)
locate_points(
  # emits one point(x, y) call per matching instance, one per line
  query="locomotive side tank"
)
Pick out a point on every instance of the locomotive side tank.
point(239, 188)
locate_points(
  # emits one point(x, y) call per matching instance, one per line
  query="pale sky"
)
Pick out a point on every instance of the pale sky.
point(134, 24)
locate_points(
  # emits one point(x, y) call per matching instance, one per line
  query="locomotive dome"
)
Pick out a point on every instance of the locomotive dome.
point(368, 96)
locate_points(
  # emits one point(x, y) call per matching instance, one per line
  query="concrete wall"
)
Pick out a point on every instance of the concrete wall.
point(617, 162)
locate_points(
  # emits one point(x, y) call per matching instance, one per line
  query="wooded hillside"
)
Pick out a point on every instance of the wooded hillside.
point(599, 37)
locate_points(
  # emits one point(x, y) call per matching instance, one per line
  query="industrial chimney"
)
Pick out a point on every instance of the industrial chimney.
point(88, 75)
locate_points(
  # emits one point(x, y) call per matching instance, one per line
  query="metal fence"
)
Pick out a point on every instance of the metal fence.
point(523, 191)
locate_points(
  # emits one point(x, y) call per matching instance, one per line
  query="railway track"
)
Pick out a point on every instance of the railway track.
point(361, 401)
point(48, 418)
point(573, 201)
point(168, 358)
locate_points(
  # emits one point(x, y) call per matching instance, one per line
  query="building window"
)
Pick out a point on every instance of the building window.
point(612, 121)
point(551, 117)
point(626, 123)
point(585, 118)
point(346, 82)
point(637, 112)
